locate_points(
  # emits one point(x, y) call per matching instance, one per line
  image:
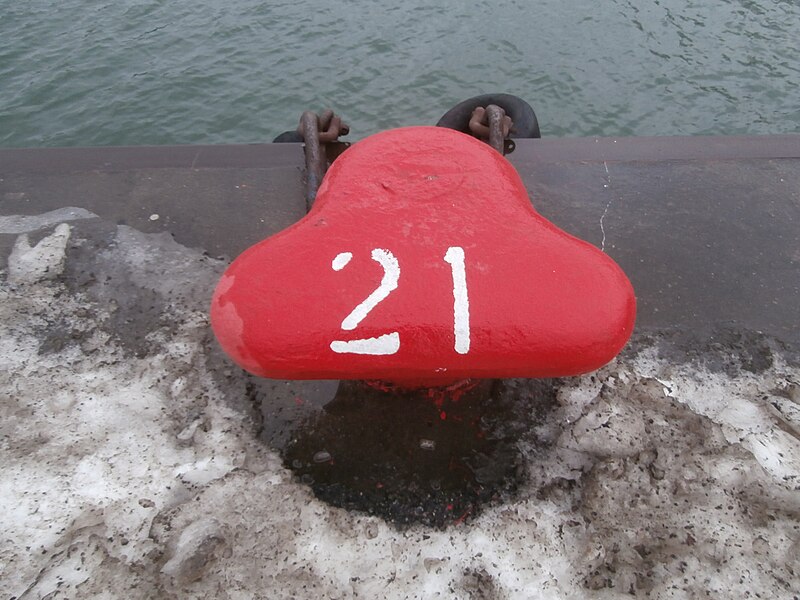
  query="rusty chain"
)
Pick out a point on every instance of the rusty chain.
point(491, 124)
point(320, 133)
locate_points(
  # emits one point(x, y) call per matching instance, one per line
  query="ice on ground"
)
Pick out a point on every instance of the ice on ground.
point(30, 223)
point(130, 463)
point(45, 260)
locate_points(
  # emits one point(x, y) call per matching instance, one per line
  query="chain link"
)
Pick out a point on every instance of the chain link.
point(318, 131)
point(491, 124)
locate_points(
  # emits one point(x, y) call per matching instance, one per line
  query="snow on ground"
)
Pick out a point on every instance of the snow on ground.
point(130, 465)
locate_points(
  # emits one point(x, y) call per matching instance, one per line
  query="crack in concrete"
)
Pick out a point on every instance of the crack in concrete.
point(606, 185)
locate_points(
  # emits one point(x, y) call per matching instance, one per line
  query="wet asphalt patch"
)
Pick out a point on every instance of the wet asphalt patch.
point(414, 456)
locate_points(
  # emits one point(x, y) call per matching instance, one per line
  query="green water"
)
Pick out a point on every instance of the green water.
point(179, 72)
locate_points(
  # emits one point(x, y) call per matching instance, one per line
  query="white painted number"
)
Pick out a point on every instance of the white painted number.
point(385, 344)
point(390, 343)
point(391, 275)
point(455, 256)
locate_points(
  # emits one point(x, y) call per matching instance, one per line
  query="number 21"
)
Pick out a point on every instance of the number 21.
point(389, 343)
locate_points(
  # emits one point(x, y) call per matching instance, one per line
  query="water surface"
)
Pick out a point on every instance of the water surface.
point(203, 71)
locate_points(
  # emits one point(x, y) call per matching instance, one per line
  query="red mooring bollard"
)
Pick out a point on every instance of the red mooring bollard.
point(422, 263)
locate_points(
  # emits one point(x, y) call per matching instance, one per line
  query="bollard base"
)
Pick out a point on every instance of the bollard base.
point(433, 456)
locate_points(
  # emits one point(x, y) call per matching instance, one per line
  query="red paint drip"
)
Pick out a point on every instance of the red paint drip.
point(438, 394)
point(461, 519)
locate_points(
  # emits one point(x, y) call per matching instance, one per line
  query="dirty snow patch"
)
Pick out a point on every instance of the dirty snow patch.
point(139, 474)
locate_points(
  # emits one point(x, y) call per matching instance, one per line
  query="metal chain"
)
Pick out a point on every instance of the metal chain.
point(321, 133)
point(318, 132)
point(492, 125)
